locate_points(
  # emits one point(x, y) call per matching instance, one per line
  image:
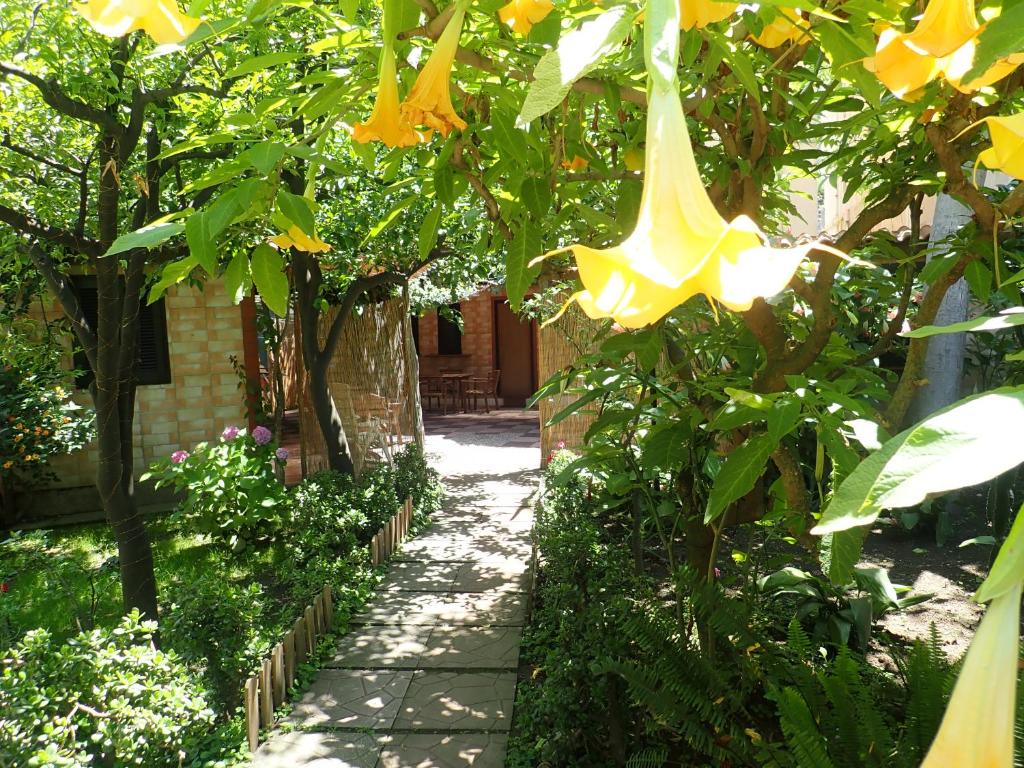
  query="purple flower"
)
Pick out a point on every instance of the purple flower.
point(718, 573)
point(262, 435)
point(282, 454)
point(178, 457)
point(230, 433)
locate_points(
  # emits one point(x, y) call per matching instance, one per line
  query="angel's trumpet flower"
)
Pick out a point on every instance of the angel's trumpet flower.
point(386, 123)
point(300, 241)
point(1007, 151)
point(521, 15)
point(681, 246)
point(977, 729)
point(941, 45)
point(429, 102)
point(160, 19)
point(699, 13)
point(788, 25)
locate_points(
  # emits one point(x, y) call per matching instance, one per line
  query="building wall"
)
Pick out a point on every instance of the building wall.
point(204, 329)
point(477, 356)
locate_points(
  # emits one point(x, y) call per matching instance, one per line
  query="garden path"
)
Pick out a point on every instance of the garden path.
point(427, 676)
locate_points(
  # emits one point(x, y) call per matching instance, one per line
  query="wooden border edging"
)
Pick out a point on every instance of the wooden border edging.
point(268, 688)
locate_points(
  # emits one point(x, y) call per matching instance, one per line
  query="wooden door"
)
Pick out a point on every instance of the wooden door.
point(514, 355)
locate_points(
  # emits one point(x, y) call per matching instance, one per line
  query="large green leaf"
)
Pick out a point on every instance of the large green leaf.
point(237, 277)
point(268, 275)
point(266, 61)
point(149, 236)
point(296, 209)
point(968, 443)
point(1001, 37)
point(172, 274)
point(200, 241)
point(739, 474)
point(578, 52)
point(428, 231)
point(1008, 318)
point(519, 275)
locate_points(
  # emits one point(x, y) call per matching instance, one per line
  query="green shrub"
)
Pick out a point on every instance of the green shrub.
point(416, 479)
point(215, 623)
point(231, 492)
point(106, 697)
point(327, 518)
point(376, 495)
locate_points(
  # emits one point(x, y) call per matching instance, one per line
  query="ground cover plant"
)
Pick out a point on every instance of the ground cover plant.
point(69, 654)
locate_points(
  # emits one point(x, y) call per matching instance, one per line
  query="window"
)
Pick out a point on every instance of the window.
point(153, 365)
point(449, 334)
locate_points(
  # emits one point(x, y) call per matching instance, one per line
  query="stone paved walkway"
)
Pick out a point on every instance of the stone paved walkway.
point(427, 676)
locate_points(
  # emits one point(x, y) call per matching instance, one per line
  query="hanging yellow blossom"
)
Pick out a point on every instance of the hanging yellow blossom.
point(700, 13)
point(941, 45)
point(633, 159)
point(521, 15)
point(386, 123)
point(681, 246)
point(1007, 151)
point(160, 19)
point(429, 102)
point(788, 25)
point(977, 729)
point(576, 164)
point(299, 240)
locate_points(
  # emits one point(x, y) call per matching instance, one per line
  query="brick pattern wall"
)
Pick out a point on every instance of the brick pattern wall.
point(477, 356)
point(203, 330)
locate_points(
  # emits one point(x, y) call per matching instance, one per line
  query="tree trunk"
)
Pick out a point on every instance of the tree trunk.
point(339, 457)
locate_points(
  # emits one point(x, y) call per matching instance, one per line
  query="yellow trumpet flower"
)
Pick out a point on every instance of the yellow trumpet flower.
point(681, 246)
point(977, 729)
point(160, 19)
point(700, 13)
point(1007, 151)
point(386, 122)
point(300, 241)
point(429, 102)
point(788, 25)
point(521, 15)
point(941, 45)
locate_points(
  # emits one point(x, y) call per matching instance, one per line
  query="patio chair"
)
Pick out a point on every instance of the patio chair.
point(433, 387)
point(485, 387)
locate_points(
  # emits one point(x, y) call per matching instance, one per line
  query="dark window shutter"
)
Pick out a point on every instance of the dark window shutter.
point(449, 335)
point(153, 365)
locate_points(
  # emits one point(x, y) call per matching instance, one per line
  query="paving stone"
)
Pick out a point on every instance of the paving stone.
point(318, 750)
point(472, 648)
point(508, 575)
point(466, 548)
point(428, 750)
point(373, 647)
point(420, 577)
point(458, 700)
point(351, 699)
point(489, 608)
point(402, 608)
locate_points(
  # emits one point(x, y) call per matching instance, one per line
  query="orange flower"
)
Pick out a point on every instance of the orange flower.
point(429, 102)
point(160, 19)
point(700, 13)
point(941, 45)
point(521, 15)
point(576, 164)
point(788, 25)
point(386, 123)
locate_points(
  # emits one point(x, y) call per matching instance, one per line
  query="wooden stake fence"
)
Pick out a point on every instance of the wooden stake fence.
point(268, 688)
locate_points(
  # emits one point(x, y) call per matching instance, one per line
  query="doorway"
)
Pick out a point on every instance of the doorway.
point(514, 355)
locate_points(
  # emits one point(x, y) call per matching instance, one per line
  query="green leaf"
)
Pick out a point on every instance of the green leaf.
point(389, 219)
point(739, 474)
point(535, 193)
point(979, 279)
point(149, 236)
point(266, 61)
point(578, 52)
point(270, 279)
point(519, 275)
point(1001, 37)
point(428, 231)
point(736, 58)
point(200, 242)
point(1008, 569)
point(1008, 318)
point(444, 185)
point(508, 137)
point(237, 277)
point(965, 444)
point(172, 274)
point(264, 156)
point(839, 552)
point(296, 209)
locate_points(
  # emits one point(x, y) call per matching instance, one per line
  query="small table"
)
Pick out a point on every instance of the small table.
point(455, 383)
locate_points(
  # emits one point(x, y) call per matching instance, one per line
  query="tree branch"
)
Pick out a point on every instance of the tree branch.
point(68, 299)
point(28, 225)
point(56, 98)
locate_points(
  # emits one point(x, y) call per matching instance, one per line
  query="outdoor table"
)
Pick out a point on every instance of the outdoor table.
point(455, 383)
